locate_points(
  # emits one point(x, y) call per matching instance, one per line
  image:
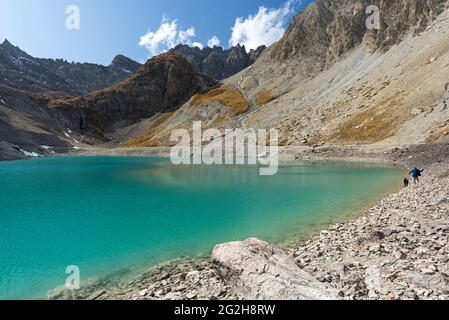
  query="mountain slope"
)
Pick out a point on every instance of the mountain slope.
point(20, 70)
point(334, 82)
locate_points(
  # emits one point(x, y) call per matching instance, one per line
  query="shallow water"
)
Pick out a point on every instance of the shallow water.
point(107, 213)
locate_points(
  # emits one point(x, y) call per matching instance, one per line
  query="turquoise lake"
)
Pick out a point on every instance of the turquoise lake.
point(107, 213)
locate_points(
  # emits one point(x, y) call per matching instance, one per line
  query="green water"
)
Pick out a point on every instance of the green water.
point(103, 214)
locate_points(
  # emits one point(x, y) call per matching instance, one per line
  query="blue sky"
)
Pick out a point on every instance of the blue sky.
point(110, 27)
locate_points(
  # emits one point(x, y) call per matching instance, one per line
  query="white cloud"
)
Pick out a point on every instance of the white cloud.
point(184, 36)
point(167, 37)
point(264, 28)
point(197, 44)
point(214, 42)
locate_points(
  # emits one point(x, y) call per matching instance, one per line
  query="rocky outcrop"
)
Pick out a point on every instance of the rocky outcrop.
point(20, 70)
point(218, 63)
point(121, 64)
point(9, 152)
point(162, 85)
point(257, 270)
point(327, 29)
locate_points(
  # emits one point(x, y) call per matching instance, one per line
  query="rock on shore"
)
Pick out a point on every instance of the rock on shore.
point(259, 271)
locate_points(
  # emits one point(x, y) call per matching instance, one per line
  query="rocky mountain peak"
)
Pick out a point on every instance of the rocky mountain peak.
point(217, 62)
point(122, 62)
point(8, 48)
point(6, 43)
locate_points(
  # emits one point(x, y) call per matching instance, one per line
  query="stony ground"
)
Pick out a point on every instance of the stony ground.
point(176, 280)
point(398, 250)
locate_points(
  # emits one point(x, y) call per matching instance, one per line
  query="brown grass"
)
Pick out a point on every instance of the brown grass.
point(263, 97)
point(438, 134)
point(148, 139)
point(159, 136)
point(231, 98)
point(374, 125)
point(59, 102)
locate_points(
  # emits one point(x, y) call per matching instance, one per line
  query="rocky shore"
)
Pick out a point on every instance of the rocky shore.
point(398, 249)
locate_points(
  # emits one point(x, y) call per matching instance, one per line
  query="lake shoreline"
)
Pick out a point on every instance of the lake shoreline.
point(200, 279)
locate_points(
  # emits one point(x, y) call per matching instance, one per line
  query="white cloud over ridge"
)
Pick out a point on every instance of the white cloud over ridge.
point(197, 44)
point(167, 37)
point(214, 42)
point(264, 28)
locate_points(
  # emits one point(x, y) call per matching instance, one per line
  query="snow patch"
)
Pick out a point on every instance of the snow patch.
point(126, 71)
point(30, 154)
point(66, 134)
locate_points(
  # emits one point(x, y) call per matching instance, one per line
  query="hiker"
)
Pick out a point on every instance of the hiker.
point(416, 173)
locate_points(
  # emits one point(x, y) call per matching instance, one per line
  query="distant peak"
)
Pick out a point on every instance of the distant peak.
point(7, 43)
point(121, 61)
point(12, 49)
point(119, 58)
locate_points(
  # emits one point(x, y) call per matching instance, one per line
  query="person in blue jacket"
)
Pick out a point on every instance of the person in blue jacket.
point(416, 173)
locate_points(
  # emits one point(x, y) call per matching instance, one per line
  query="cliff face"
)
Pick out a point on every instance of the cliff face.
point(327, 29)
point(161, 85)
point(218, 63)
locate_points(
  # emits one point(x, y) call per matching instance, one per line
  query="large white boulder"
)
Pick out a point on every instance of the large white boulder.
point(260, 271)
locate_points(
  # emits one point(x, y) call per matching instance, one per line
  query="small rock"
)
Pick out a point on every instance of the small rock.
point(143, 292)
point(429, 270)
point(417, 111)
point(399, 255)
point(191, 296)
